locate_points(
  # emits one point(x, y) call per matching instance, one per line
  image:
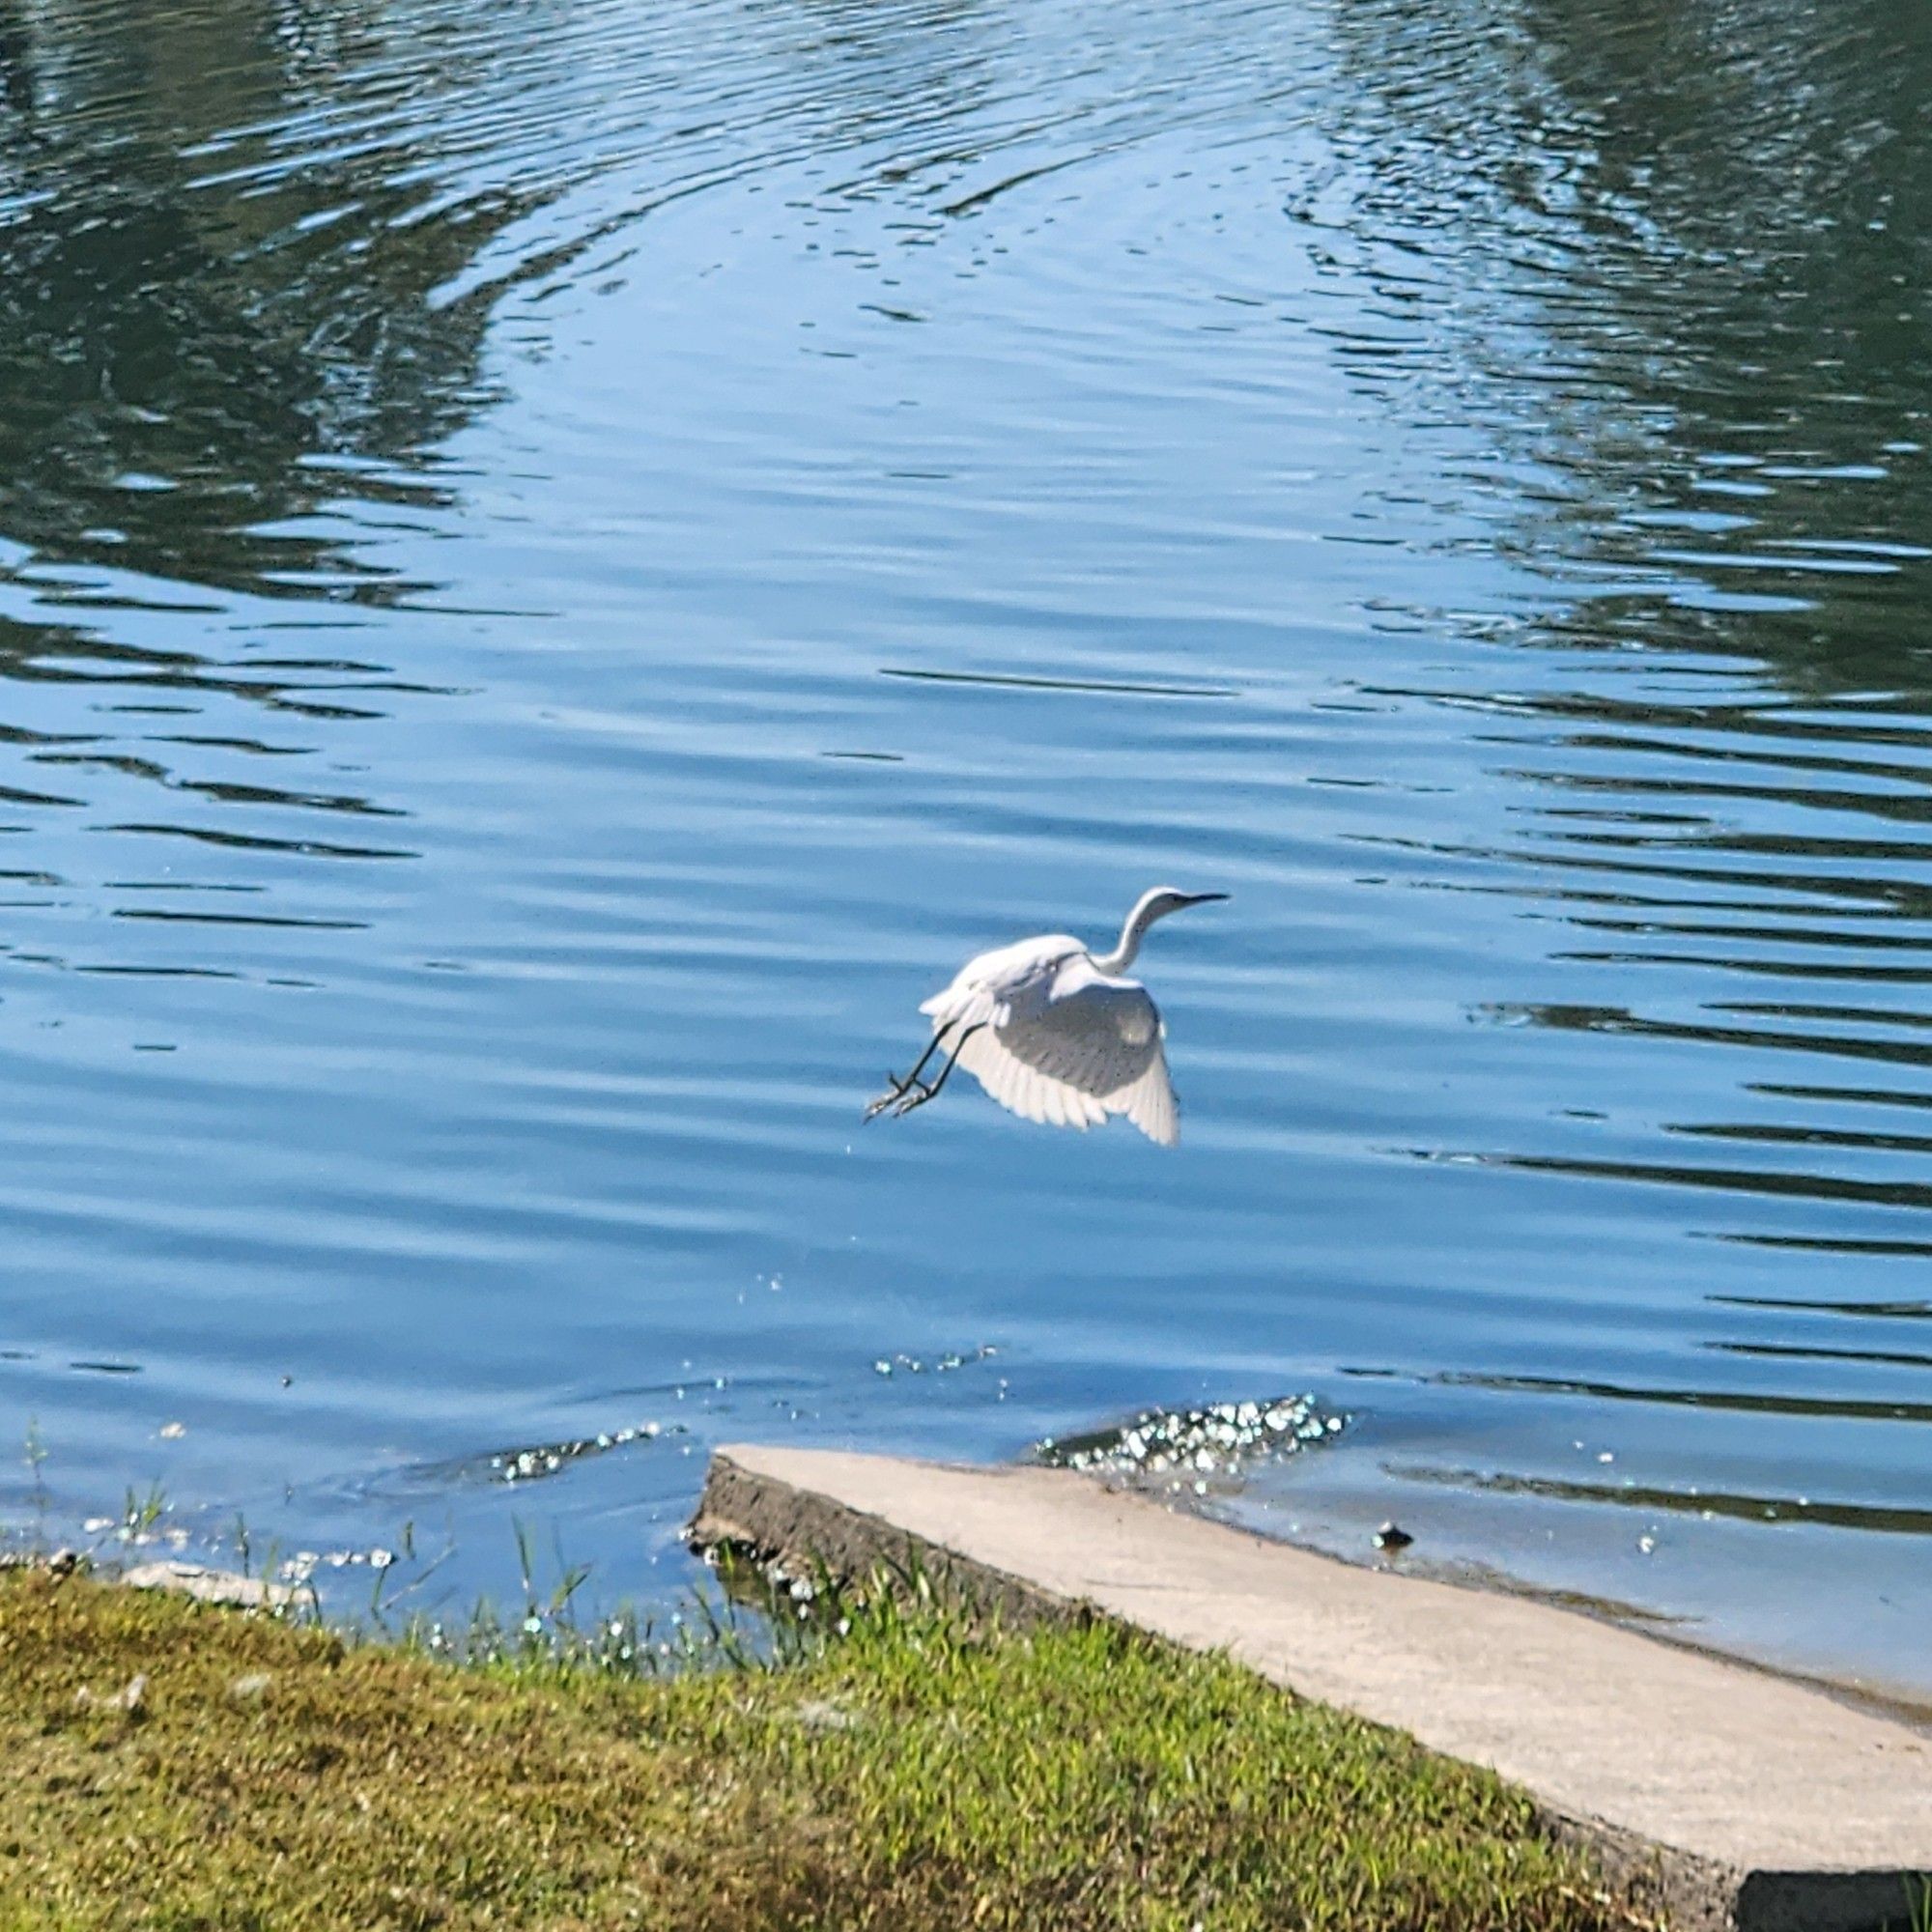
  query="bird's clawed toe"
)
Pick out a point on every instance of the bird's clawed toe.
point(900, 1096)
point(906, 1091)
point(895, 1091)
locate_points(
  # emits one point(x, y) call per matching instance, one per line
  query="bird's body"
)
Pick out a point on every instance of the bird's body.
point(1059, 1042)
point(1057, 1034)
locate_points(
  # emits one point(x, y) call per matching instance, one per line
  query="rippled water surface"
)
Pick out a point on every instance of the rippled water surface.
point(561, 563)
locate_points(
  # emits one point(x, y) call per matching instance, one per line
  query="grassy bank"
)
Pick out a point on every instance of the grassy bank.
point(911, 1775)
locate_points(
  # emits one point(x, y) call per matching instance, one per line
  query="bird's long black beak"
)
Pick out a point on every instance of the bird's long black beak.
point(1201, 898)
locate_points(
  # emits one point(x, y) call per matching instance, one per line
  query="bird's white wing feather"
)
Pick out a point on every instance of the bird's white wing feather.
point(986, 988)
point(1062, 1043)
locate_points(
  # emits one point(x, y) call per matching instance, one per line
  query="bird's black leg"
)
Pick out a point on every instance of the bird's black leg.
point(900, 1088)
point(918, 1096)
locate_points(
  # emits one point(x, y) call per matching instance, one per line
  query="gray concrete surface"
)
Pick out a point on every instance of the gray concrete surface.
point(1742, 1799)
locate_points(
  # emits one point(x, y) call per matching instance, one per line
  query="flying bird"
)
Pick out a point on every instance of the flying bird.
point(1056, 1033)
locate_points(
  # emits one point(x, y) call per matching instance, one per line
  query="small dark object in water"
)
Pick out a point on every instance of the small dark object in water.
point(1393, 1538)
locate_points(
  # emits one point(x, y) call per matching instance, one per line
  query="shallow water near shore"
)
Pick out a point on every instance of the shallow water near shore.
point(561, 567)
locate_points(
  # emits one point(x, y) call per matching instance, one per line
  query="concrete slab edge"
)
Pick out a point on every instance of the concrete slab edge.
point(801, 1530)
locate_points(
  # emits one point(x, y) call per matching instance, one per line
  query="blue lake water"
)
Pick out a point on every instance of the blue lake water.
point(562, 564)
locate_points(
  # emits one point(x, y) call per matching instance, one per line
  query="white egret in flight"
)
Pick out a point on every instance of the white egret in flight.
point(1056, 1033)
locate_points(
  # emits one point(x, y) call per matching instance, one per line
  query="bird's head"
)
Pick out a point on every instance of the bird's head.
point(1164, 899)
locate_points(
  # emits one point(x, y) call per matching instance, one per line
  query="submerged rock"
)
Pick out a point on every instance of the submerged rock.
point(208, 1585)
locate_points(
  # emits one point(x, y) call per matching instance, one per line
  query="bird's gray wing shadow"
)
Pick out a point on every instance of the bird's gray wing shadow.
point(1094, 1033)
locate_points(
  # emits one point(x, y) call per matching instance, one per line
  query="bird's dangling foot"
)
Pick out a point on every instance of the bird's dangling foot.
point(900, 1084)
point(913, 1092)
point(905, 1093)
point(901, 1097)
point(896, 1092)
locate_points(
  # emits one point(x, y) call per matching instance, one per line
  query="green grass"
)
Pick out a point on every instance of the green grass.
point(914, 1774)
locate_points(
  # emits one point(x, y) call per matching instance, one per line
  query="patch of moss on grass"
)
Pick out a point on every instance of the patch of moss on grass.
point(915, 1774)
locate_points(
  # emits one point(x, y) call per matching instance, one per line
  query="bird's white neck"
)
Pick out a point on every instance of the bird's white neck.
point(1149, 909)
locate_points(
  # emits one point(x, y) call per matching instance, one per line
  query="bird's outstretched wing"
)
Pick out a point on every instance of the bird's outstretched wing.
point(1073, 1047)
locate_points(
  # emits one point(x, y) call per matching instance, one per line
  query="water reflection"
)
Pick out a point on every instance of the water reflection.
point(1688, 296)
point(233, 353)
point(1755, 1402)
point(531, 538)
point(1668, 266)
point(205, 335)
point(1692, 237)
point(1899, 1521)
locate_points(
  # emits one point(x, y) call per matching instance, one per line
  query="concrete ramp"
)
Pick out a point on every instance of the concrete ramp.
point(1748, 1802)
